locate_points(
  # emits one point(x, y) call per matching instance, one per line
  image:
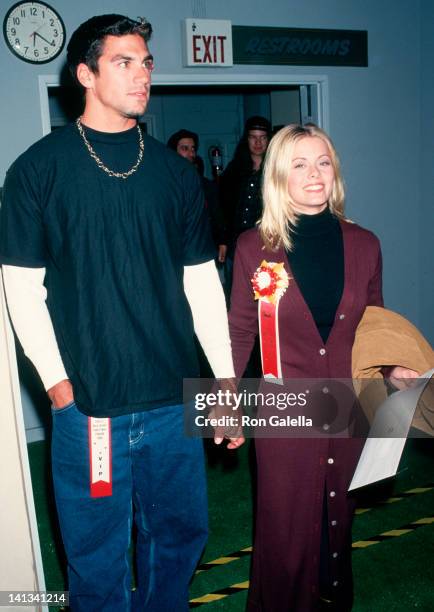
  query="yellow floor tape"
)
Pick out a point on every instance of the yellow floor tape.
point(242, 586)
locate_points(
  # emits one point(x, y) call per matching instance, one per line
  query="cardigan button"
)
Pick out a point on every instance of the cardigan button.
point(330, 460)
point(322, 351)
point(342, 316)
point(333, 523)
point(332, 494)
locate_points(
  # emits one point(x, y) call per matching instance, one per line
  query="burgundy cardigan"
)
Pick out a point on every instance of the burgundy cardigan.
point(296, 476)
point(302, 349)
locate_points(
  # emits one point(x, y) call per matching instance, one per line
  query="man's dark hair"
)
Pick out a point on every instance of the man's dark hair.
point(172, 143)
point(87, 42)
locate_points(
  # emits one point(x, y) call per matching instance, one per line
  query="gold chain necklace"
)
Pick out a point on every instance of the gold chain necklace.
point(100, 164)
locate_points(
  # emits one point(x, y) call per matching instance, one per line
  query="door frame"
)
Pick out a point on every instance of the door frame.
point(320, 82)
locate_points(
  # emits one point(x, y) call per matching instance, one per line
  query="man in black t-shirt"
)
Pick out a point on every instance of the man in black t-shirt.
point(105, 268)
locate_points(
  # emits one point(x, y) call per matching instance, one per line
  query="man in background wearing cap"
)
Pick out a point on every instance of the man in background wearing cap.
point(105, 269)
point(240, 183)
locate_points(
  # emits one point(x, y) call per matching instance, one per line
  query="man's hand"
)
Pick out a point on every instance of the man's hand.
point(402, 378)
point(61, 394)
point(230, 411)
point(222, 253)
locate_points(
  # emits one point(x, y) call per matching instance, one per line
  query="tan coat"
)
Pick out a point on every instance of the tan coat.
point(385, 338)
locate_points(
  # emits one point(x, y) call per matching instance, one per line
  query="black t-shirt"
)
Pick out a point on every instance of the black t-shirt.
point(114, 251)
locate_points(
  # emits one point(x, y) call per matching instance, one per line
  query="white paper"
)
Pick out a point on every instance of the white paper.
point(381, 455)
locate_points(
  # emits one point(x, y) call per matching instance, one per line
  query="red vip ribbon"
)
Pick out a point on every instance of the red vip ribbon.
point(100, 457)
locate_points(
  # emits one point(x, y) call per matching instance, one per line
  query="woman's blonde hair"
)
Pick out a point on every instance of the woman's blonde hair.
point(279, 214)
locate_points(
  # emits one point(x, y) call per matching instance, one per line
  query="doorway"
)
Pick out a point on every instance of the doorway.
point(215, 109)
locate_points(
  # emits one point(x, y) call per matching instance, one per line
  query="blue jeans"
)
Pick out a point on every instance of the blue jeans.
point(157, 471)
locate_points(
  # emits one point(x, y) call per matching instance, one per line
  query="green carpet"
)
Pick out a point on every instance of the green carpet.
point(392, 575)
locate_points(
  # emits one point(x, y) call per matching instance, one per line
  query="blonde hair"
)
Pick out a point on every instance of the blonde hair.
point(279, 214)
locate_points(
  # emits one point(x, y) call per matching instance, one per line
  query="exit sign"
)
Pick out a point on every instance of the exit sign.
point(207, 42)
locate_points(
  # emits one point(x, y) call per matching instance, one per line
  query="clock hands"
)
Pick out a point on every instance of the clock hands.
point(47, 41)
point(35, 34)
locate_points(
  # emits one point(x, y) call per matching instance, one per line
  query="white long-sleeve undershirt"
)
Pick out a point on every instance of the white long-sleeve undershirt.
point(205, 295)
point(26, 297)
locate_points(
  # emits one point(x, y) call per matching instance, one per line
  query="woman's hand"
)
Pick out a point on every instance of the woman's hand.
point(230, 414)
point(402, 378)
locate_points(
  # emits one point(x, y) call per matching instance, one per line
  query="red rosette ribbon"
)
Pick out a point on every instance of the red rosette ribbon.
point(270, 282)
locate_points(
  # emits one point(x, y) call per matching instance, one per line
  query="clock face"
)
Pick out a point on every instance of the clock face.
point(34, 32)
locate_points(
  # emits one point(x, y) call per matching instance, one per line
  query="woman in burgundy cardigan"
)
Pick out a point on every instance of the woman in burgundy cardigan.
point(302, 549)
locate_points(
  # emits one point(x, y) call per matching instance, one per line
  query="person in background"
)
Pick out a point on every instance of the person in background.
point(323, 271)
point(105, 270)
point(241, 200)
point(240, 183)
point(186, 144)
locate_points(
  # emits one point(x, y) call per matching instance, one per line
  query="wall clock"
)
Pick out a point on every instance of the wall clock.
point(34, 32)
